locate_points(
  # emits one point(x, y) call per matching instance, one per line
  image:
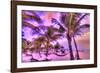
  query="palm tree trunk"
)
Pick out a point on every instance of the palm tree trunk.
point(40, 54)
point(47, 46)
point(77, 53)
point(70, 47)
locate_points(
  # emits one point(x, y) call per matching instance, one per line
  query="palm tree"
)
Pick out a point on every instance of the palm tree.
point(70, 22)
point(77, 32)
point(38, 44)
point(51, 36)
point(71, 25)
point(74, 28)
point(26, 45)
point(68, 37)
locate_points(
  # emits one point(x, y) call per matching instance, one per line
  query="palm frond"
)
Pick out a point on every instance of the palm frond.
point(56, 36)
point(27, 24)
point(82, 17)
point(84, 26)
point(35, 28)
point(33, 16)
point(37, 17)
point(81, 29)
point(79, 32)
point(61, 29)
point(64, 18)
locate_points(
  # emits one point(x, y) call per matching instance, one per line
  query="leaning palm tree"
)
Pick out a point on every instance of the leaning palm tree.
point(44, 41)
point(51, 36)
point(68, 37)
point(38, 42)
point(71, 25)
point(69, 34)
